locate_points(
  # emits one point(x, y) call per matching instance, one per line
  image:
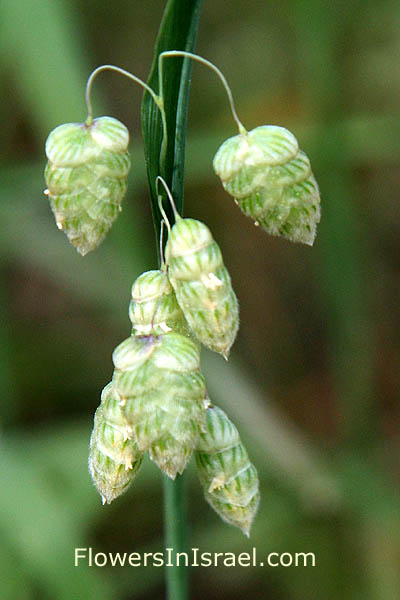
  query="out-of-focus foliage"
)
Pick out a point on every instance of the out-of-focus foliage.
point(312, 382)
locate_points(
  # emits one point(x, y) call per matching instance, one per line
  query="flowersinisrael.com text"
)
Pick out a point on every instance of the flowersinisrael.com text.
point(193, 558)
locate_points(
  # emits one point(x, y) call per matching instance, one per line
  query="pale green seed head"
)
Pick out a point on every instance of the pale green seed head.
point(163, 396)
point(188, 236)
point(269, 177)
point(178, 353)
point(70, 145)
point(202, 285)
point(263, 146)
point(114, 458)
point(113, 164)
point(86, 178)
point(238, 516)
point(272, 182)
point(228, 478)
point(171, 351)
point(64, 180)
point(134, 351)
point(109, 134)
point(292, 211)
point(154, 309)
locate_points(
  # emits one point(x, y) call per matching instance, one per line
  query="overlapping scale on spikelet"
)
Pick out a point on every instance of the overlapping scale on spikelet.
point(114, 458)
point(272, 182)
point(228, 478)
point(163, 394)
point(86, 178)
point(154, 308)
point(202, 284)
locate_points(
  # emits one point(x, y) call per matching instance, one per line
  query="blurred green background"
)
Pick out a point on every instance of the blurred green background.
point(312, 382)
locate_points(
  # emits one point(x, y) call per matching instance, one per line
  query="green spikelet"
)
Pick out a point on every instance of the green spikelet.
point(202, 284)
point(114, 458)
point(154, 309)
point(271, 181)
point(163, 394)
point(229, 480)
point(86, 178)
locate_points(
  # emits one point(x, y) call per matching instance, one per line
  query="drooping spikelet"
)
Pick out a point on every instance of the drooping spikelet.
point(229, 479)
point(86, 176)
point(114, 458)
point(154, 309)
point(271, 181)
point(163, 394)
point(202, 284)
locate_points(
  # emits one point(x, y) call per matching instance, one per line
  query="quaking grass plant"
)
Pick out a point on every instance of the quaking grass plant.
point(157, 401)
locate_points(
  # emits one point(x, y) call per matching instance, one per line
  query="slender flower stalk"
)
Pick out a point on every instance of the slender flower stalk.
point(210, 65)
point(98, 70)
point(158, 99)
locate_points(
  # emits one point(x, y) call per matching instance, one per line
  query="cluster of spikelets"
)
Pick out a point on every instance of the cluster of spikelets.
point(157, 400)
point(263, 169)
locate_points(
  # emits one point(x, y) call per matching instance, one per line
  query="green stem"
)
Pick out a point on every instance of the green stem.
point(175, 532)
point(177, 32)
point(165, 157)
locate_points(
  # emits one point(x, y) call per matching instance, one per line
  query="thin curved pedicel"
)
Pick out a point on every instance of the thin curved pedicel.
point(254, 163)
